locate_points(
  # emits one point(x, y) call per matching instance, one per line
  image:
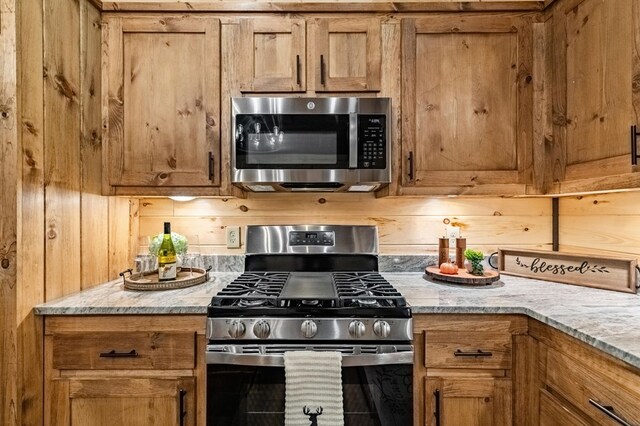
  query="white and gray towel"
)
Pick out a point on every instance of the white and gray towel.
point(313, 393)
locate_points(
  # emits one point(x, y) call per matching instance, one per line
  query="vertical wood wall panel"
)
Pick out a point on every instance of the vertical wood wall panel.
point(31, 267)
point(94, 207)
point(62, 146)
point(8, 212)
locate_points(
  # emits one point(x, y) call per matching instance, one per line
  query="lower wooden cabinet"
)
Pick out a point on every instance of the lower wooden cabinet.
point(578, 385)
point(124, 370)
point(457, 401)
point(463, 369)
point(130, 401)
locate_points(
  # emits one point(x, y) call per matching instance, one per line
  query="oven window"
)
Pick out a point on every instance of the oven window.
point(292, 141)
point(254, 396)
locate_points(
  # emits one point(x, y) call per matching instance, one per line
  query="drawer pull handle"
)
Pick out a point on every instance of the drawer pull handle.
point(609, 411)
point(479, 352)
point(113, 354)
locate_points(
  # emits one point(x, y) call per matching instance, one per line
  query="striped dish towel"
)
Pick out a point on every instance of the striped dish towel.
point(313, 392)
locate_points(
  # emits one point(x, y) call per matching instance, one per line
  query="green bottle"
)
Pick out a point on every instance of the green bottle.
point(167, 256)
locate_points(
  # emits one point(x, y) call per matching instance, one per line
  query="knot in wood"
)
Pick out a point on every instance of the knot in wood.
point(244, 208)
point(446, 221)
point(4, 114)
point(5, 263)
point(52, 234)
point(635, 84)
point(163, 176)
point(322, 200)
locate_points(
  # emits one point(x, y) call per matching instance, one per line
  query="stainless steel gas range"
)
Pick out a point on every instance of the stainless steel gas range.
point(311, 287)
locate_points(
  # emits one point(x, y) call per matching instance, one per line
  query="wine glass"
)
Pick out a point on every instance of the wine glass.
point(192, 256)
point(145, 260)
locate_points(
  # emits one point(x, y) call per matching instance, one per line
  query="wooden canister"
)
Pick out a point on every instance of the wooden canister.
point(443, 251)
point(461, 246)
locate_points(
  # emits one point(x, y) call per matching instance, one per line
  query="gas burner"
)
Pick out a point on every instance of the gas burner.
point(252, 303)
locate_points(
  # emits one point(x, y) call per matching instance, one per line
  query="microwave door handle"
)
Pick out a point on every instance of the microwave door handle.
point(353, 140)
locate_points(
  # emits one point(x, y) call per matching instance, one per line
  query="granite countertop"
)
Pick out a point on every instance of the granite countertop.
point(604, 319)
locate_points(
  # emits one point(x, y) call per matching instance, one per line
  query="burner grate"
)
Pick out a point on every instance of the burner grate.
point(366, 289)
point(253, 289)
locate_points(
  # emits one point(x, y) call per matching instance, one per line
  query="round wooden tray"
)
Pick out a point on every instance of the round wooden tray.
point(149, 280)
point(462, 277)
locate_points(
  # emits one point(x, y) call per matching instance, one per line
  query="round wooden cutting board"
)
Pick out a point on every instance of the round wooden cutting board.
point(463, 277)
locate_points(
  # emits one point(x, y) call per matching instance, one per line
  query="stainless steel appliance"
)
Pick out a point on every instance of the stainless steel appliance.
point(309, 288)
point(311, 144)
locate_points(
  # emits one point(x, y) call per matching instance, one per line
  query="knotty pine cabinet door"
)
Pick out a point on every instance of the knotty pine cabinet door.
point(316, 55)
point(602, 60)
point(457, 401)
point(272, 55)
point(122, 401)
point(163, 101)
point(467, 104)
point(345, 54)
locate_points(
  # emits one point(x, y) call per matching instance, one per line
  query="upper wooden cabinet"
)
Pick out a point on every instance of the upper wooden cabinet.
point(334, 55)
point(163, 99)
point(272, 55)
point(467, 104)
point(595, 71)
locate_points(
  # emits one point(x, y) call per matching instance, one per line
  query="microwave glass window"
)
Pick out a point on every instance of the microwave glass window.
point(290, 141)
point(292, 148)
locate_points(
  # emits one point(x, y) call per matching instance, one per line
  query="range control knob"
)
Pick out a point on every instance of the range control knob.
point(382, 329)
point(261, 329)
point(309, 328)
point(356, 329)
point(236, 329)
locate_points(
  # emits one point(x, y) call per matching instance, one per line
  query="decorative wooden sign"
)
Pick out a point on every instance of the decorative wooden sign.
point(606, 272)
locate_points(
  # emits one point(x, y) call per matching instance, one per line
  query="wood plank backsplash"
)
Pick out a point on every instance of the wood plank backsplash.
point(412, 225)
point(409, 225)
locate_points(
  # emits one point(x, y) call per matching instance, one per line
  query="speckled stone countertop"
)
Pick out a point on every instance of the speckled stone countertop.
point(604, 319)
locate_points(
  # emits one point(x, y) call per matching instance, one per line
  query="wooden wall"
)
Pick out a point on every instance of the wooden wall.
point(409, 225)
point(8, 212)
point(58, 235)
point(602, 222)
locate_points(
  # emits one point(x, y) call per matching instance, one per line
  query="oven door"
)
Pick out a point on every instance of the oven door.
point(249, 390)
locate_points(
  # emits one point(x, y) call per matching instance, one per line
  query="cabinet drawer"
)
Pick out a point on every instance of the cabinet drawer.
point(600, 396)
point(447, 349)
point(131, 350)
point(553, 413)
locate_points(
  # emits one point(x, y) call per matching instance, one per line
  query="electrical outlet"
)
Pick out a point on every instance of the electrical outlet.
point(233, 237)
point(453, 232)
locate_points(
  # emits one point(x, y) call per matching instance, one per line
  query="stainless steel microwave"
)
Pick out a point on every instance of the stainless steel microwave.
point(311, 144)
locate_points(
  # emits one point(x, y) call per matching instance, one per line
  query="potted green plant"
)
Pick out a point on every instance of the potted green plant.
point(474, 258)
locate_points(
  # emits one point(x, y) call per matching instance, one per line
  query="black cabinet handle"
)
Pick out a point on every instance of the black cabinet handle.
point(436, 412)
point(609, 411)
point(634, 145)
point(322, 70)
point(479, 352)
point(210, 166)
point(182, 411)
point(298, 70)
point(410, 158)
point(113, 354)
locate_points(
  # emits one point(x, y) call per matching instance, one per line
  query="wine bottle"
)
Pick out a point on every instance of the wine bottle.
point(167, 256)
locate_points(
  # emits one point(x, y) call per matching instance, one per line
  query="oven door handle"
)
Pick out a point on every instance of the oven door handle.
point(277, 360)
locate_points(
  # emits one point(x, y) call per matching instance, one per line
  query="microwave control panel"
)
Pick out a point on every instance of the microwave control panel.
point(372, 141)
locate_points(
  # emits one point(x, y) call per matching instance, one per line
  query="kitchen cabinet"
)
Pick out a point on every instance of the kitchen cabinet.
point(124, 370)
point(463, 369)
point(578, 385)
point(467, 104)
point(162, 105)
point(595, 70)
point(342, 54)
